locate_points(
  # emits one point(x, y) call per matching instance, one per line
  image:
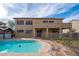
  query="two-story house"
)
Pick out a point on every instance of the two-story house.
point(39, 27)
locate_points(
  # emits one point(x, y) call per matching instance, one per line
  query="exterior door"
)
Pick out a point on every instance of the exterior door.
point(39, 33)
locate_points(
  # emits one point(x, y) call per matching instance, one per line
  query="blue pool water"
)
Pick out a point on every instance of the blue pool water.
point(20, 46)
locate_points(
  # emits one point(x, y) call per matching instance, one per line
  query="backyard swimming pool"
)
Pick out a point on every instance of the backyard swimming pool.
point(20, 46)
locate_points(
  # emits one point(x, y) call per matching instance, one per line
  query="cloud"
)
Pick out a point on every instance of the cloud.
point(35, 10)
point(74, 15)
point(3, 11)
point(71, 18)
point(16, 9)
point(65, 7)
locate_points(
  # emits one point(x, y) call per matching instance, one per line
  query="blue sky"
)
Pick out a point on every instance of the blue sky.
point(44, 10)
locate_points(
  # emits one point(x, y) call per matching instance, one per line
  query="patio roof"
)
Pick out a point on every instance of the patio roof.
point(2, 23)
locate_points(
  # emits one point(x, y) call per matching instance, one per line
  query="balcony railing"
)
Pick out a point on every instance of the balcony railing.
point(53, 25)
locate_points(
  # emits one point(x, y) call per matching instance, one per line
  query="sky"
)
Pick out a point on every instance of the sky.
point(67, 11)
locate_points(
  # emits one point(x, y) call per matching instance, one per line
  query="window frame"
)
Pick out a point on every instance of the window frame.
point(28, 31)
point(28, 22)
point(20, 31)
point(45, 21)
point(20, 22)
point(51, 21)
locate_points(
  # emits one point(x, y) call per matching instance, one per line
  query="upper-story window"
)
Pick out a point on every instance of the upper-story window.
point(20, 31)
point(28, 22)
point(48, 21)
point(45, 21)
point(51, 21)
point(20, 22)
point(28, 31)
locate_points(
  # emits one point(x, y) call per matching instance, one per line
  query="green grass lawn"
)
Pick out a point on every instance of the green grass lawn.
point(68, 42)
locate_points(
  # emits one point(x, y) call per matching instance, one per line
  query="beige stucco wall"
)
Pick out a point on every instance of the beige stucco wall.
point(23, 27)
point(75, 25)
point(38, 23)
point(56, 24)
point(20, 35)
point(41, 24)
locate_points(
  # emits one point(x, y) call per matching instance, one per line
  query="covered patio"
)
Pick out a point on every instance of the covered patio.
point(49, 32)
point(6, 33)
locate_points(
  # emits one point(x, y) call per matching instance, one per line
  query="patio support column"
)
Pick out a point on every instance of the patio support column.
point(70, 33)
point(60, 32)
point(34, 32)
point(46, 32)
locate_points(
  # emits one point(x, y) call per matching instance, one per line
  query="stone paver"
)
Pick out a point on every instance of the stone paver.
point(60, 50)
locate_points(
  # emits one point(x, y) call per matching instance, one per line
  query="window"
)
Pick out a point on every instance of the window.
point(51, 21)
point(28, 22)
point(20, 31)
point(28, 31)
point(20, 22)
point(45, 21)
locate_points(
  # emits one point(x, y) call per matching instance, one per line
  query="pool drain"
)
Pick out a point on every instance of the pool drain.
point(19, 45)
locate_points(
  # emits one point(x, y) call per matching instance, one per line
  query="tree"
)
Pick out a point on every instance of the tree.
point(11, 24)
